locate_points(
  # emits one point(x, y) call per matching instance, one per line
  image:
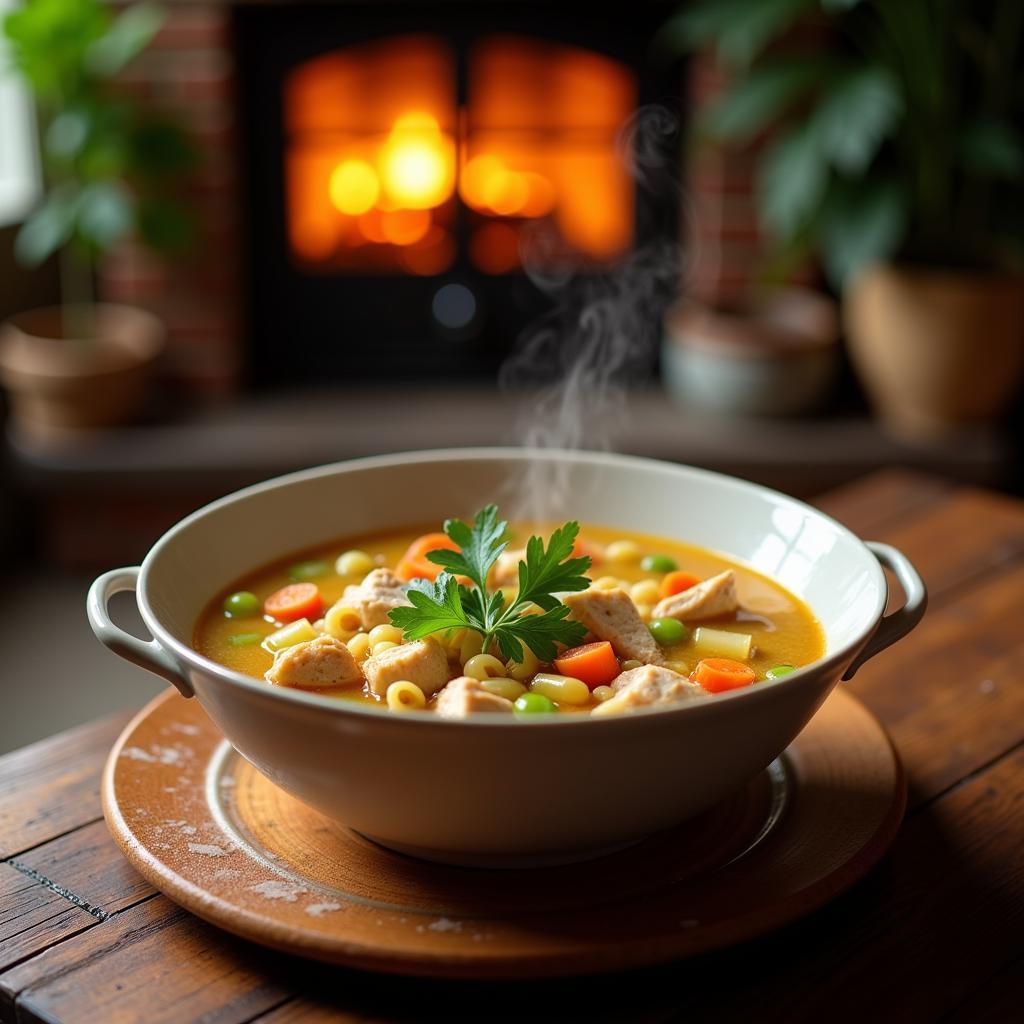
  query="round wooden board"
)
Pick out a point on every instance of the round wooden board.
point(207, 829)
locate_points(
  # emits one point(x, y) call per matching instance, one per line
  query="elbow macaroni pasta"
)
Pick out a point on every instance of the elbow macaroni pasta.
point(484, 666)
point(405, 696)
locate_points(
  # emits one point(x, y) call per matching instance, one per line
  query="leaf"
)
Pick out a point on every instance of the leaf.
point(158, 150)
point(49, 228)
point(165, 225)
point(992, 149)
point(855, 116)
point(435, 607)
point(547, 571)
point(446, 604)
point(766, 21)
point(67, 133)
point(756, 101)
point(541, 633)
point(105, 213)
point(861, 223)
point(738, 29)
point(791, 181)
point(49, 40)
point(129, 34)
point(838, 6)
point(480, 546)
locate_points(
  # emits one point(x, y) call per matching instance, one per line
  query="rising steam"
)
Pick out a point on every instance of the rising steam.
point(601, 337)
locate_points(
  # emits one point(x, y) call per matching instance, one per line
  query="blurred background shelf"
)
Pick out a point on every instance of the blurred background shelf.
point(107, 499)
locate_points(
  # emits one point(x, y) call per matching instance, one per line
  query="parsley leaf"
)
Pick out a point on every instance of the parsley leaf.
point(551, 571)
point(435, 606)
point(545, 571)
point(540, 633)
point(480, 546)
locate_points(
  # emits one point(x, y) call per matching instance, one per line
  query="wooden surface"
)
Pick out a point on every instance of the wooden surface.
point(213, 834)
point(934, 932)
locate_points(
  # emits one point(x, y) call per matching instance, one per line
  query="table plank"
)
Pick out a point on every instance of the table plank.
point(880, 500)
point(53, 786)
point(941, 913)
point(303, 1011)
point(950, 693)
point(30, 923)
point(964, 538)
point(997, 1002)
point(153, 962)
point(61, 888)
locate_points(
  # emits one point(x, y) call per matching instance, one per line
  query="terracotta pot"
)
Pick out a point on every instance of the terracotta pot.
point(59, 385)
point(936, 349)
point(772, 356)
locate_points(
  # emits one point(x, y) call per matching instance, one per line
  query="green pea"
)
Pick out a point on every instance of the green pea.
point(534, 704)
point(658, 563)
point(245, 639)
point(779, 671)
point(242, 605)
point(304, 571)
point(668, 631)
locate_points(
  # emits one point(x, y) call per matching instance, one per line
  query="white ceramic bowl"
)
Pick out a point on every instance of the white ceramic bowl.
point(491, 790)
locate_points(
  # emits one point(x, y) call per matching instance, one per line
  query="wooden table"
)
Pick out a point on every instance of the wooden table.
point(936, 931)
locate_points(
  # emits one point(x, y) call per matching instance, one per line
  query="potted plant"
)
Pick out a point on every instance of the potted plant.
point(888, 143)
point(110, 172)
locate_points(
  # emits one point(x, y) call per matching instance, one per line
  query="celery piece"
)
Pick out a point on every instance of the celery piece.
point(304, 571)
point(722, 643)
point(294, 633)
point(245, 639)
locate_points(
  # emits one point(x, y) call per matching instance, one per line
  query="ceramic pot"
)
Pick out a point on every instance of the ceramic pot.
point(493, 790)
point(773, 356)
point(59, 385)
point(936, 349)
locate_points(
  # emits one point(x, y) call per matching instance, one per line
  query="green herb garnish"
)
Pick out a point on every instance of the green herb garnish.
point(448, 604)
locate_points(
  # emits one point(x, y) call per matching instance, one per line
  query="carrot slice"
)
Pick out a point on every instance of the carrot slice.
point(677, 581)
point(581, 547)
point(414, 564)
point(594, 663)
point(719, 674)
point(296, 601)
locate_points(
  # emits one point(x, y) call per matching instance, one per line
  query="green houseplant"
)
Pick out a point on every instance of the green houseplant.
point(111, 171)
point(888, 145)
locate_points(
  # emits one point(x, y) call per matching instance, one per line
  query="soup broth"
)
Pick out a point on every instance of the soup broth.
point(783, 632)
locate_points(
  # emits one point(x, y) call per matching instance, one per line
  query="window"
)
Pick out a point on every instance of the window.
point(19, 159)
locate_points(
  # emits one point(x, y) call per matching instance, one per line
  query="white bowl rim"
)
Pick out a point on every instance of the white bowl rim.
point(832, 661)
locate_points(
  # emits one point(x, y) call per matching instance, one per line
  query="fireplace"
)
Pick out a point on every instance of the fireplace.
point(398, 159)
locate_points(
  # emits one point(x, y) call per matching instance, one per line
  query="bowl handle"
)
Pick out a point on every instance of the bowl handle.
point(147, 654)
point(900, 622)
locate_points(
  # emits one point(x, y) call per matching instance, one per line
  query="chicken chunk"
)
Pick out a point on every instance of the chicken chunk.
point(422, 662)
point(315, 663)
point(646, 686)
point(611, 615)
point(464, 696)
point(380, 591)
point(506, 569)
point(707, 600)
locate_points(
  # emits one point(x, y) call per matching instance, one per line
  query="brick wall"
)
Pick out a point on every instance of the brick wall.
point(721, 236)
point(188, 71)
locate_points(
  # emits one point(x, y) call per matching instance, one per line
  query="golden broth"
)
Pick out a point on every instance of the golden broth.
point(785, 631)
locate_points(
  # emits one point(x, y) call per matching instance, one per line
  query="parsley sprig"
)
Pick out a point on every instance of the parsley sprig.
point(446, 603)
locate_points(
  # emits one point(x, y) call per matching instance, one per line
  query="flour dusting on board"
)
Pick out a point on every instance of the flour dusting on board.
point(320, 909)
point(279, 889)
point(207, 849)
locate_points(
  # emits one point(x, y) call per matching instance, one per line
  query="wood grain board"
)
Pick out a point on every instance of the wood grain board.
point(935, 931)
point(214, 835)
